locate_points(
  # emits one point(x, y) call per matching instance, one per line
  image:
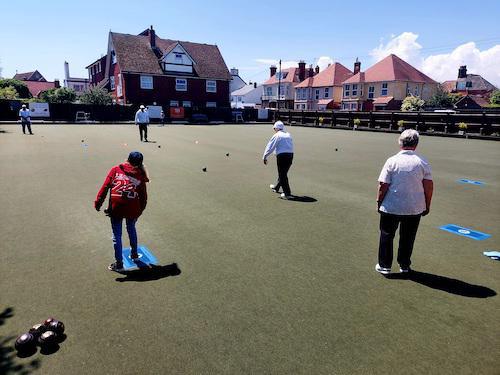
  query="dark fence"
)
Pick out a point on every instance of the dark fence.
point(481, 123)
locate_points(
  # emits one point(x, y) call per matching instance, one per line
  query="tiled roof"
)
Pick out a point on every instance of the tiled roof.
point(324, 101)
point(37, 87)
point(449, 86)
point(243, 90)
point(333, 75)
point(292, 75)
point(391, 68)
point(134, 54)
point(478, 83)
point(23, 76)
point(479, 100)
point(383, 100)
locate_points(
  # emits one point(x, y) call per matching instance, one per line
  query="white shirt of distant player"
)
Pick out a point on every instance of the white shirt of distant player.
point(404, 173)
point(142, 117)
point(280, 143)
point(24, 113)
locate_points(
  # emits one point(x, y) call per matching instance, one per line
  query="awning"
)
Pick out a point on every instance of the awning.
point(383, 100)
point(324, 101)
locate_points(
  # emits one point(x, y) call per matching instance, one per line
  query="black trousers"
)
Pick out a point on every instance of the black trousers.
point(143, 128)
point(284, 161)
point(408, 226)
point(24, 124)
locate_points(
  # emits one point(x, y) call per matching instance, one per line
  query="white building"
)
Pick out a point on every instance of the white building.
point(79, 85)
point(247, 96)
point(236, 81)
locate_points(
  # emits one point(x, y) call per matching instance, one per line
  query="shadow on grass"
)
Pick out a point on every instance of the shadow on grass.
point(445, 284)
point(150, 274)
point(8, 354)
point(3, 131)
point(303, 199)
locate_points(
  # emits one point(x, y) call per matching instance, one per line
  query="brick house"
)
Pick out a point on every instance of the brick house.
point(385, 85)
point(36, 82)
point(323, 90)
point(469, 84)
point(290, 78)
point(146, 69)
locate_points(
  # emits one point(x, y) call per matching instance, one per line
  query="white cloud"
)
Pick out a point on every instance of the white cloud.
point(442, 67)
point(323, 62)
point(284, 64)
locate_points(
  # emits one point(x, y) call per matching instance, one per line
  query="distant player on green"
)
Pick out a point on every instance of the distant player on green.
point(142, 120)
point(25, 117)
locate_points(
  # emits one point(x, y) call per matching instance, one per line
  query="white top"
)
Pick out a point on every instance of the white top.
point(280, 142)
point(404, 173)
point(142, 117)
point(24, 113)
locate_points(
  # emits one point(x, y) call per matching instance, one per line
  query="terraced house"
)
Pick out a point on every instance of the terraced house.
point(385, 85)
point(146, 69)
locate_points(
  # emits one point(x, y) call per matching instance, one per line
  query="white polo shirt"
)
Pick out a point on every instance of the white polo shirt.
point(404, 173)
point(24, 113)
point(280, 142)
point(142, 117)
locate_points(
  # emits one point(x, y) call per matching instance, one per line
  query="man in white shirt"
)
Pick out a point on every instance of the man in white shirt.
point(142, 120)
point(25, 116)
point(404, 195)
point(282, 144)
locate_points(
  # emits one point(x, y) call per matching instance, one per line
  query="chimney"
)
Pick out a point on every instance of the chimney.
point(317, 69)
point(357, 66)
point(234, 72)
point(311, 71)
point(66, 70)
point(273, 70)
point(152, 37)
point(57, 84)
point(302, 70)
point(255, 85)
point(462, 71)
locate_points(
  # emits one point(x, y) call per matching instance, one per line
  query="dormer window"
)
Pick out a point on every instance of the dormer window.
point(177, 60)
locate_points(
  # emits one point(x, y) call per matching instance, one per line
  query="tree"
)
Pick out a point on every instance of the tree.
point(8, 92)
point(412, 104)
point(59, 95)
point(96, 95)
point(19, 86)
point(495, 97)
point(443, 99)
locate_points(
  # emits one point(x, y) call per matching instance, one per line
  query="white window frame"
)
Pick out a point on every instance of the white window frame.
point(347, 90)
point(186, 103)
point(211, 105)
point(269, 91)
point(327, 92)
point(146, 82)
point(354, 89)
point(385, 89)
point(179, 86)
point(112, 82)
point(113, 57)
point(371, 92)
point(354, 106)
point(211, 86)
point(174, 103)
point(317, 94)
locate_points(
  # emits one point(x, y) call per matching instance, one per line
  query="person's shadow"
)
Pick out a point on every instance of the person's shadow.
point(445, 284)
point(151, 273)
point(303, 199)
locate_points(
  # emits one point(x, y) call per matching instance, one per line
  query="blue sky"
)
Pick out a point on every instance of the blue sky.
point(43, 34)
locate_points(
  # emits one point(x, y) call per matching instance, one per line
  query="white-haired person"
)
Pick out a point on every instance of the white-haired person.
point(281, 144)
point(404, 195)
point(142, 120)
point(25, 117)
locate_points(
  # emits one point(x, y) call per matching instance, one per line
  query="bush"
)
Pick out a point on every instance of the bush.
point(21, 88)
point(96, 95)
point(59, 95)
point(495, 97)
point(8, 92)
point(356, 121)
point(443, 99)
point(462, 126)
point(401, 123)
point(412, 104)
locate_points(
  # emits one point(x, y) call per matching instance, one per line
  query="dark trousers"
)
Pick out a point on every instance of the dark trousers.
point(284, 161)
point(143, 128)
point(408, 226)
point(24, 124)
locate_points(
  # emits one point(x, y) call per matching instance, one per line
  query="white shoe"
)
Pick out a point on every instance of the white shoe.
point(273, 188)
point(382, 270)
point(405, 270)
point(285, 197)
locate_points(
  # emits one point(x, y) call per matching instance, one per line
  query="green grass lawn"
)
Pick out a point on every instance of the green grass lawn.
point(266, 286)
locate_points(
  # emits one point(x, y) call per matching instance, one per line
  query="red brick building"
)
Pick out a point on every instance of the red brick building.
point(146, 69)
point(36, 82)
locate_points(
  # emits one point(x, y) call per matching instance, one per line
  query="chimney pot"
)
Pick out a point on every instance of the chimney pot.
point(462, 71)
point(357, 66)
point(302, 70)
point(152, 37)
point(272, 70)
point(57, 84)
point(317, 69)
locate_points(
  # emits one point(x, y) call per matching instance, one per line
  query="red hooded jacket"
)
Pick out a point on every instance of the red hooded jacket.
point(128, 197)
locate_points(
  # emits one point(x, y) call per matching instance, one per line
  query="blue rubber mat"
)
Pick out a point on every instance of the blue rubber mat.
point(146, 258)
point(466, 232)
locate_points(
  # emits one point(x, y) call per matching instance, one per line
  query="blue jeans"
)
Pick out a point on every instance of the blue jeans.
point(116, 225)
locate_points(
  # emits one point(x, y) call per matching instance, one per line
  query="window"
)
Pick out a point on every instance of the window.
point(99, 67)
point(327, 92)
point(239, 98)
point(347, 90)
point(269, 91)
point(178, 57)
point(468, 84)
point(303, 106)
point(112, 82)
point(147, 82)
point(113, 57)
point(174, 103)
point(353, 106)
point(316, 94)
point(186, 104)
point(304, 93)
point(461, 85)
point(384, 89)
point(371, 92)
point(354, 90)
point(211, 86)
point(180, 84)
point(415, 92)
point(211, 104)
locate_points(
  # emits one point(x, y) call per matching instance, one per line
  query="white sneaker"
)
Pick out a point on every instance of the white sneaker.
point(404, 270)
point(285, 197)
point(273, 188)
point(382, 270)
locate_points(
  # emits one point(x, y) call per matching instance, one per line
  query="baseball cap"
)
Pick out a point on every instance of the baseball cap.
point(24, 106)
point(135, 158)
point(278, 125)
point(142, 107)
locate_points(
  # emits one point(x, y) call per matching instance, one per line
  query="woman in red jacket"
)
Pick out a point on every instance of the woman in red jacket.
point(128, 198)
